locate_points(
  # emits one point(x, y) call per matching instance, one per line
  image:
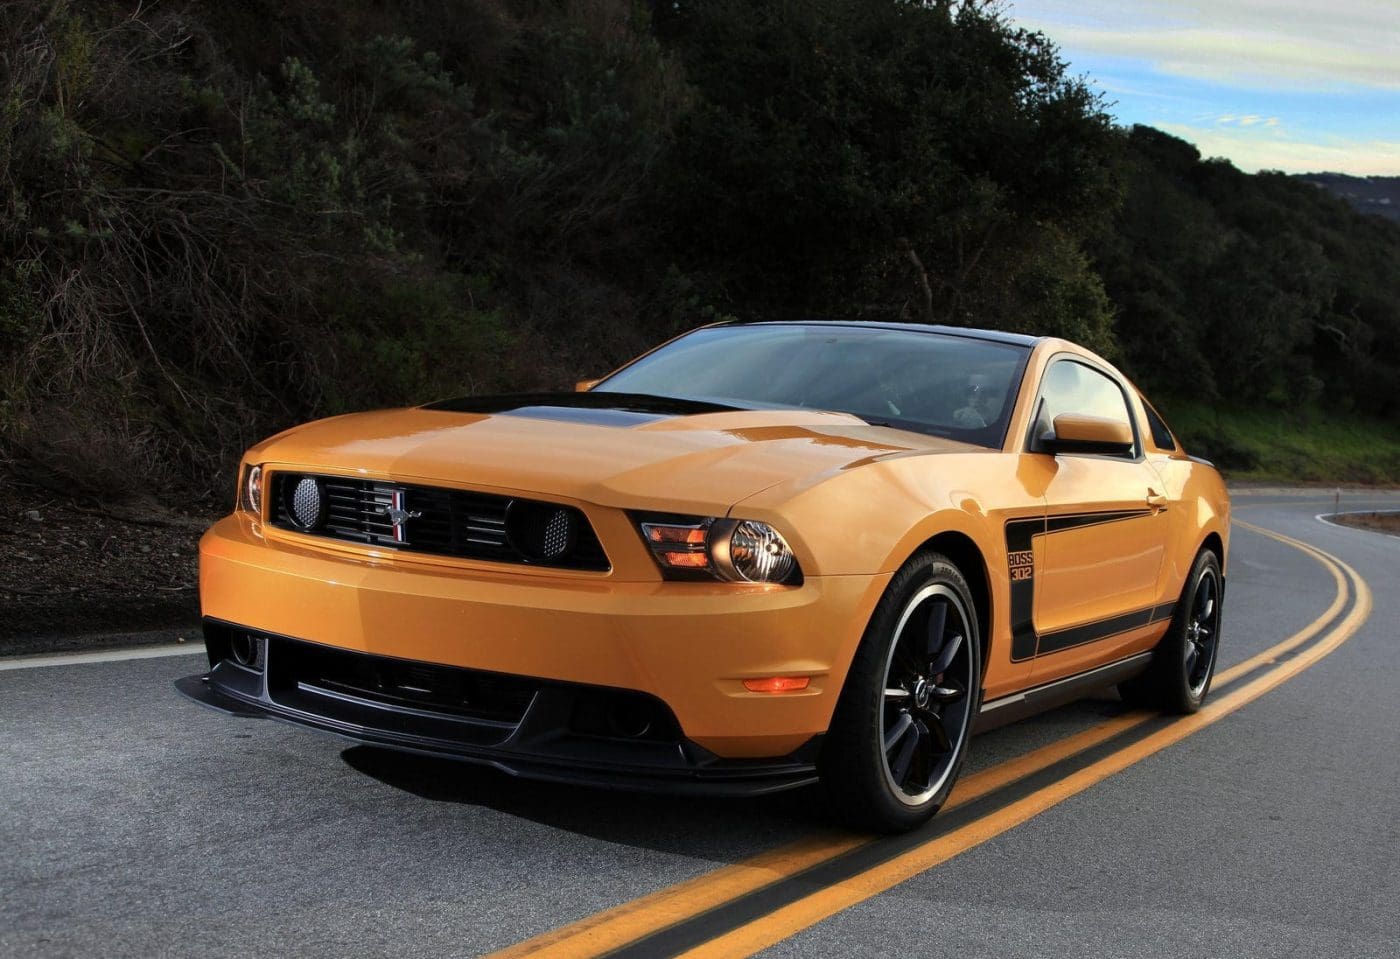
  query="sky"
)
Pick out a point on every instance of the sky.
point(1302, 86)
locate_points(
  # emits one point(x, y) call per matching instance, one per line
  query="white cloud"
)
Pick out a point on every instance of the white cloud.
point(1260, 148)
point(1266, 61)
point(1298, 85)
point(1249, 120)
point(1260, 43)
point(1344, 20)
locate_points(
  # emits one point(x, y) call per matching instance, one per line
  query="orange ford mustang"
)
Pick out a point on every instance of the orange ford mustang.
point(760, 555)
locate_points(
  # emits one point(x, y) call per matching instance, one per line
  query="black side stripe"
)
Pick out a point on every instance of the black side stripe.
point(1026, 643)
point(1102, 629)
point(1020, 535)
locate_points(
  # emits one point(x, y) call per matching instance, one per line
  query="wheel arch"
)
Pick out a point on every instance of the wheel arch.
point(965, 554)
point(1216, 544)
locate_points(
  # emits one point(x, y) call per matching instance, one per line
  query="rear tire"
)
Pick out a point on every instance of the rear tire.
point(902, 725)
point(1183, 666)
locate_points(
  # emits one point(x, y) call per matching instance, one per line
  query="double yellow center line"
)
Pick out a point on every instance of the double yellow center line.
point(670, 920)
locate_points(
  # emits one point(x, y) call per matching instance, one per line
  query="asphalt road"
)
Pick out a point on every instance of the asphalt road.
point(134, 823)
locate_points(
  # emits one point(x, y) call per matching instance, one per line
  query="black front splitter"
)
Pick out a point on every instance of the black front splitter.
point(683, 768)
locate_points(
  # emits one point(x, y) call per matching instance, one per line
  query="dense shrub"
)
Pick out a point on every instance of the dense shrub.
point(202, 244)
point(886, 158)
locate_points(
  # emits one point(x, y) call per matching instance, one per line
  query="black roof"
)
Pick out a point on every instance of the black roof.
point(995, 336)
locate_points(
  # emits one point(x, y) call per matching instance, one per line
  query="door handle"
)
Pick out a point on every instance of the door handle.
point(1156, 500)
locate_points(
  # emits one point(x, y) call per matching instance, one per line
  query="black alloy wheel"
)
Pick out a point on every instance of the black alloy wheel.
point(905, 716)
point(1183, 665)
point(1202, 632)
point(927, 677)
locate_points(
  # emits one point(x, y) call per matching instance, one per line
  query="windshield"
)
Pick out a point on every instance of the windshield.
point(947, 385)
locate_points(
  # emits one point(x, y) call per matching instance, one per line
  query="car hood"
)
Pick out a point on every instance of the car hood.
point(637, 459)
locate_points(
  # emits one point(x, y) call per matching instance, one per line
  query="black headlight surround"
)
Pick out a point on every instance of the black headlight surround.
point(713, 546)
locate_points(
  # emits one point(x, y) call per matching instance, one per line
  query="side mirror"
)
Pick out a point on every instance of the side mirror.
point(583, 386)
point(1088, 434)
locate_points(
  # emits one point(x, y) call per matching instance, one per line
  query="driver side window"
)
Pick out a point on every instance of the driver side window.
point(1073, 387)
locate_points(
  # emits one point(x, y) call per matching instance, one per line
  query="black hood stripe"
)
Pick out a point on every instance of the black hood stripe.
point(534, 404)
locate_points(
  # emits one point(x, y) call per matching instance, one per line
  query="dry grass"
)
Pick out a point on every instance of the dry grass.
point(1375, 522)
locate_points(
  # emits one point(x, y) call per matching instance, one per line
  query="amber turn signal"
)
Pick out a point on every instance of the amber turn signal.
point(683, 560)
point(777, 684)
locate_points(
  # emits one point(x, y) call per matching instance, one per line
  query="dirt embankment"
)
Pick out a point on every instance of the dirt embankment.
point(1376, 522)
point(74, 567)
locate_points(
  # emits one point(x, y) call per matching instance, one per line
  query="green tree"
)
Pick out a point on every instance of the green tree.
point(883, 157)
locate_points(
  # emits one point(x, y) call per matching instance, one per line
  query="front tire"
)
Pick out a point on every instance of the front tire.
point(1179, 676)
point(904, 719)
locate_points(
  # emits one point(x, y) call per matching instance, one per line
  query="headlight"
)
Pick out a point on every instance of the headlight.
point(737, 551)
point(250, 496)
point(752, 552)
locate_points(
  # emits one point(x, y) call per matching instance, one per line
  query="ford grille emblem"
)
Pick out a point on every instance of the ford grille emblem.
point(398, 516)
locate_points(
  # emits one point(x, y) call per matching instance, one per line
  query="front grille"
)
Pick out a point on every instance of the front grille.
point(445, 522)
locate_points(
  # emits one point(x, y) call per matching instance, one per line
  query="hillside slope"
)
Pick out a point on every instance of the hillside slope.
point(1378, 195)
point(217, 220)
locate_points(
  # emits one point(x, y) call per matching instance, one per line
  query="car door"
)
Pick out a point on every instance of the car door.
point(1105, 535)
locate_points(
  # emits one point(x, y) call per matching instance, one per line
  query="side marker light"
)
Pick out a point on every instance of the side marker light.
point(777, 684)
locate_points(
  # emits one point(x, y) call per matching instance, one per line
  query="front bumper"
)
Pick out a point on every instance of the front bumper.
point(554, 731)
point(689, 645)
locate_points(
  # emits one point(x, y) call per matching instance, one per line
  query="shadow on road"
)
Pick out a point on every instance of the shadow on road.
point(721, 829)
point(671, 823)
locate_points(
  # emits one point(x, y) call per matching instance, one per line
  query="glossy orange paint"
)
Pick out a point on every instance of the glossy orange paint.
point(854, 502)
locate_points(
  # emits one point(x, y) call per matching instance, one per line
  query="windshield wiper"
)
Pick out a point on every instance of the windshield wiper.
point(909, 426)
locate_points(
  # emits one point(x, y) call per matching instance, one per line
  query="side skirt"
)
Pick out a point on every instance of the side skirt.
point(1008, 709)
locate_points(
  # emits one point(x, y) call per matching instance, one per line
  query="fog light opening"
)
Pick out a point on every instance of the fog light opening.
point(246, 651)
point(630, 720)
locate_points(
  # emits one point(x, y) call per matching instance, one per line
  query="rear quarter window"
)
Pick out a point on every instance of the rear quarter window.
point(1161, 435)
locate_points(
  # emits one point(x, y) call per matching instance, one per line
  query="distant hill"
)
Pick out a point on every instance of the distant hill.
point(1372, 194)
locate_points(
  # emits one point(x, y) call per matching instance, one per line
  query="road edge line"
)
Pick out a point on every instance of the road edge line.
point(101, 656)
